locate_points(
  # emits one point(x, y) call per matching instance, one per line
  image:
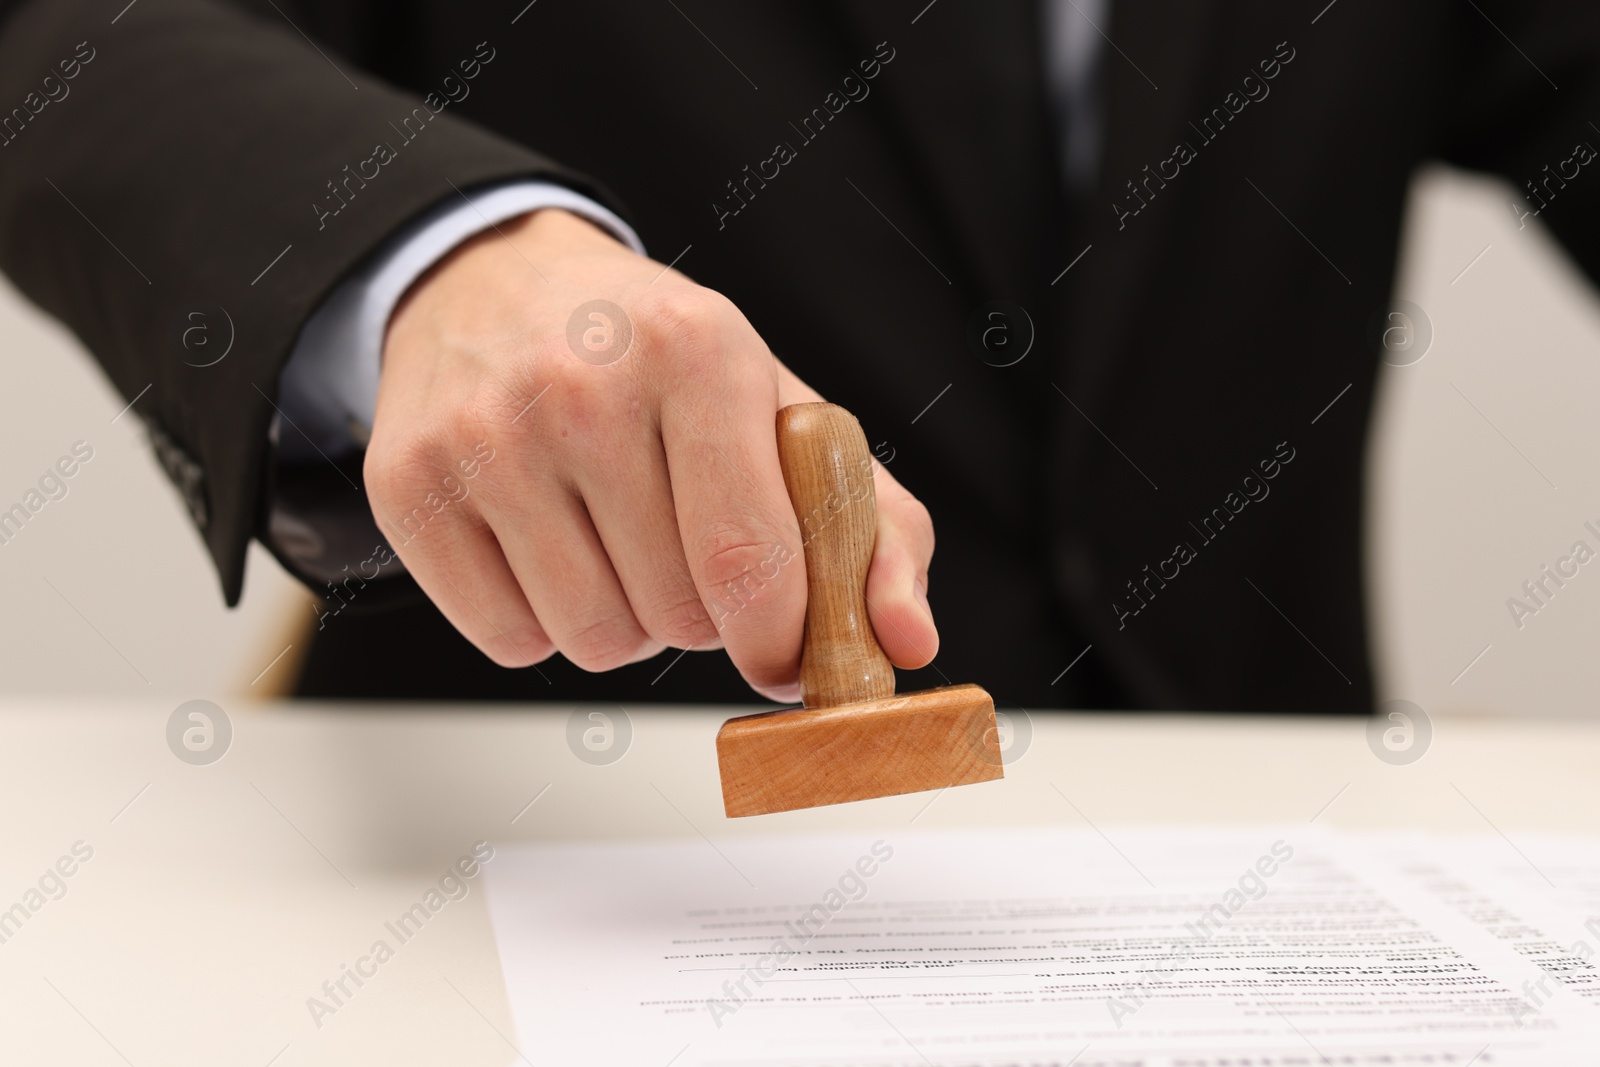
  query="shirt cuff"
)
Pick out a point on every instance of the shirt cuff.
point(329, 388)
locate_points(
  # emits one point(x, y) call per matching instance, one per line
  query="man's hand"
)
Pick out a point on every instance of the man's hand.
point(559, 481)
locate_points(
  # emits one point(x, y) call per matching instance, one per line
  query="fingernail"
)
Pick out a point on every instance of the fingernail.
point(920, 588)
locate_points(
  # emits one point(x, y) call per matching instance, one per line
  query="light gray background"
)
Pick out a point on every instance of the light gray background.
point(1462, 512)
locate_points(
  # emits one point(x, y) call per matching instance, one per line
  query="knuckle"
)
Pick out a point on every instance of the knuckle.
point(736, 571)
point(413, 497)
point(603, 644)
point(394, 470)
point(489, 410)
point(579, 408)
point(686, 319)
point(680, 620)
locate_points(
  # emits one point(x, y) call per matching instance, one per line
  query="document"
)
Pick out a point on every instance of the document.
point(1025, 948)
point(1540, 895)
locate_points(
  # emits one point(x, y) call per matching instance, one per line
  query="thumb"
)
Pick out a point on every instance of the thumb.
point(897, 583)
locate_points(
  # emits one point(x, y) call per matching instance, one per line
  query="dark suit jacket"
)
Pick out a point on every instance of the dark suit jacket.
point(1160, 478)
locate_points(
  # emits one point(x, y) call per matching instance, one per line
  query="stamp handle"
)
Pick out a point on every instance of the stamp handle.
point(828, 472)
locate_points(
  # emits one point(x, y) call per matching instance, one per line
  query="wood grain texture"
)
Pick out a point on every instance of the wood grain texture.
point(855, 739)
point(828, 472)
point(784, 760)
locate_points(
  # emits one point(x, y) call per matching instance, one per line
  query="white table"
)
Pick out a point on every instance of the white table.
point(223, 896)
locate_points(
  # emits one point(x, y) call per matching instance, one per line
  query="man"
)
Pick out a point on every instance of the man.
point(1107, 289)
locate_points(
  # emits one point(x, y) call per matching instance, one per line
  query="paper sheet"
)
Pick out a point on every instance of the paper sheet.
point(1139, 948)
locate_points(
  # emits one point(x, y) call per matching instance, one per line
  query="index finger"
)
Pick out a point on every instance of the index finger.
point(739, 532)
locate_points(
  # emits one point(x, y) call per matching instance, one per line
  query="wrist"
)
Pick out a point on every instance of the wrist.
point(538, 237)
point(553, 225)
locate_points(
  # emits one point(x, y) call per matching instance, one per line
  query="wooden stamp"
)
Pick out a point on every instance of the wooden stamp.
point(855, 738)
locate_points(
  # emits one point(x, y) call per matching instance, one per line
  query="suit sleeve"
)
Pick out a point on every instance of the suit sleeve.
point(1522, 100)
point(187, 157)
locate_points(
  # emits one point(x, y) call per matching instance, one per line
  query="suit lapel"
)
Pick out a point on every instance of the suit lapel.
point(966, 97)
point(968, 100)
